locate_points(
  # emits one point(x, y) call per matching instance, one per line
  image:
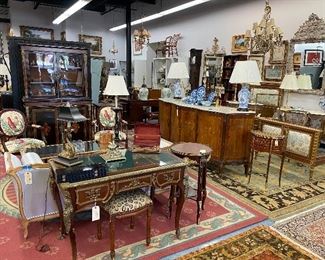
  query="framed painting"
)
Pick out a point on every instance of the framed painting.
point(274, 72)
point(112, 64)
point(95, 41)
point(239, 43)
point(36, 32)
point(63, 36)
point(259, 58)
point(297, 58)
point(137, 48)
point(278, 54)
point(313, 57)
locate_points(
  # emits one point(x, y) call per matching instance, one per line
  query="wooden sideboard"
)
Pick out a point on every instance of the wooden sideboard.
point(224, 129)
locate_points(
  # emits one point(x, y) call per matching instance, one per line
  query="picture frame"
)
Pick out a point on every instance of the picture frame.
point(259, 58)
point(253, 48)
point(274, 72)
point(36, 32)
point(95, 41)
point(279, 54)
point(137, 49)
point(63, 36)
point(297, 58)
point(239, 43)
point(112, 64)
point(313, 57)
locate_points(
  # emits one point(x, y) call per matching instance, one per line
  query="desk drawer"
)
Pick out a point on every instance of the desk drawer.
point(90, 194)
point(163, 179)
point(133, 183)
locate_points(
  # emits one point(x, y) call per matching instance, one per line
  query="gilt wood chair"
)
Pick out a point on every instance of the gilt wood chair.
point(13, 125)
point(106, 122)
point(123, 205)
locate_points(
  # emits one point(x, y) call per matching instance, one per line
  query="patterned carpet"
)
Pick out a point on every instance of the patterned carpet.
point(260, 243)
point(307, 229)
point(295, 195)
point(223, 214)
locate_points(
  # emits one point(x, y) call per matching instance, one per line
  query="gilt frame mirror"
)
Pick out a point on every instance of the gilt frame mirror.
point(312, 34)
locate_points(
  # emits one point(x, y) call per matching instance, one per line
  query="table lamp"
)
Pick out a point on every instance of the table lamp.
point(178, 70)
point(116, 86)
point(304, 82)
point(245, 73)
point(289, 82)
point(69, 114)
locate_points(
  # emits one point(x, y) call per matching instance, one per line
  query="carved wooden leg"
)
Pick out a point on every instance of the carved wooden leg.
point(281, 168)
point(268, 168)
point(180, 203)
point(99, 229)
point(73, 243)
point(112, 236)
point(311, 172)
point(148, 238)
point(250, 165)
point(25, 224)
point(152, 193)
point(171, 200)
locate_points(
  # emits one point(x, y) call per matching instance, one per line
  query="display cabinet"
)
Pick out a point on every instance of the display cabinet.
point(160, 70)
point(229, 62)
point(48, 74)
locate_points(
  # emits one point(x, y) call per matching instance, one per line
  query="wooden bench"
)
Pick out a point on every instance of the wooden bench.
point(302, 142)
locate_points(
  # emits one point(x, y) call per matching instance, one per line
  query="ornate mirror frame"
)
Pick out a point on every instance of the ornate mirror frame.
point(311, 31)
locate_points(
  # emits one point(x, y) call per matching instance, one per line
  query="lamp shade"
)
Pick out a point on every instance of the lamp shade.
point(70, 114)
point(289, 82)
point(178, 70)
point(304, 82)
point(246, 72)
point(115, 86)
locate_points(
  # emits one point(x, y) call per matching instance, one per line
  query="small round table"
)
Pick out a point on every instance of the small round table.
point(199, 154)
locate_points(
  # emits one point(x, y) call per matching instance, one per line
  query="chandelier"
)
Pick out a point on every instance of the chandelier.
point(113, 50)
point(266, 34)
point(141, 36)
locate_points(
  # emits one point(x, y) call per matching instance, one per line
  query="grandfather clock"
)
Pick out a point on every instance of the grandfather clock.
point(195, 66)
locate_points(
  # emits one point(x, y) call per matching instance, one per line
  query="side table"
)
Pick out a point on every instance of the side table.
point(199, 154)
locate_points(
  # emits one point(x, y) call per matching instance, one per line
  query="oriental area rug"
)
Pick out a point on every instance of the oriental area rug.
point(223, 214)
point(307, 229)
point(259, 243)
point(295, 195)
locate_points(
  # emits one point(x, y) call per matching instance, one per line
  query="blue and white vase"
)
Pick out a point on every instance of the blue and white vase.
point(243, 98)
point(166, 92)
point(143, 93)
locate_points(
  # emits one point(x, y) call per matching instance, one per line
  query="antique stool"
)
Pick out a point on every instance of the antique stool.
point(269, 143)
point(123, 205)
point(198, 154)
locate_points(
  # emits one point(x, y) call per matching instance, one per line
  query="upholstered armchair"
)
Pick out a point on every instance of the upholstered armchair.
point(13, 125)
point(32, 186)
point(106, 123)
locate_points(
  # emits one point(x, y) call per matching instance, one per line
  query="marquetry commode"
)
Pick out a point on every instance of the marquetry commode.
point(137, 171)
point(224, 129)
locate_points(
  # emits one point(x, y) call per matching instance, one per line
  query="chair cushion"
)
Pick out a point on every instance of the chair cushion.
point(17, 145)
point(127, 202)
point(107, 117)
point(12, 123)
point(121, 135)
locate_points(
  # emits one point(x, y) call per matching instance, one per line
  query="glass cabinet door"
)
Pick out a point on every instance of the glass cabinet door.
point(40, 74)
point(70, 74)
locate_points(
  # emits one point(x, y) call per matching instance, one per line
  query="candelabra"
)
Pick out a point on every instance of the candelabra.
point(141, 36)
point(266, 34)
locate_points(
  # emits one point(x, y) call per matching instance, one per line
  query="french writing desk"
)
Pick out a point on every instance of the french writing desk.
point(136, 171)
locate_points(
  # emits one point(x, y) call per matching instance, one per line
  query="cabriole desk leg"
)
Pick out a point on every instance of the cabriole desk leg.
point(180, 203)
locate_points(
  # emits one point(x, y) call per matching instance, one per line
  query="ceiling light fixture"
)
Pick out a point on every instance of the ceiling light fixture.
point(161, 14)
point(71, 10)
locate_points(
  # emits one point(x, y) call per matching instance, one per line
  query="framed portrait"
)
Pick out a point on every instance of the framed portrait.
point(313, 57)
point(112, 64)
point(95, 41)
point(274, 72)
point(278, 54)
point(36, 32)
point(297, 58)
point(259, 58)
point(239, 43)
point(137, 48)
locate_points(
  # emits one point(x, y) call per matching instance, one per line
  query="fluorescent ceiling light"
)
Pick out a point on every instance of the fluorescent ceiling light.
point(71, 10)
point(161, 14)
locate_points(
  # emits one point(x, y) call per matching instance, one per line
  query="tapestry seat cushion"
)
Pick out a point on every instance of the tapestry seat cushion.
point(127, 202)
point(21, 144)
point(107, 117)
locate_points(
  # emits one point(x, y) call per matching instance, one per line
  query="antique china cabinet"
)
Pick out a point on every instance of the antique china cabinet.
point(50, 74)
